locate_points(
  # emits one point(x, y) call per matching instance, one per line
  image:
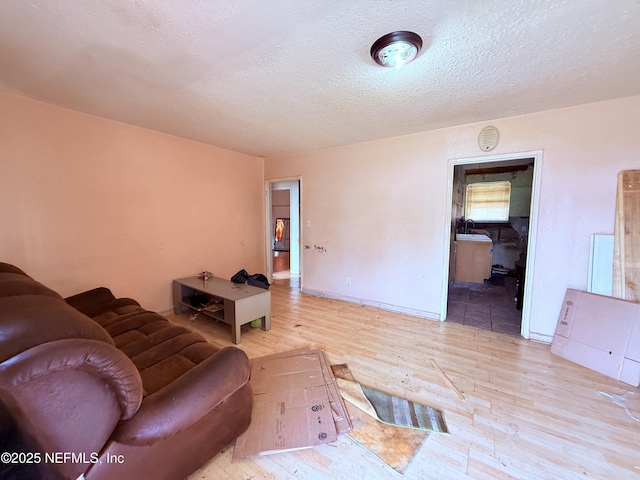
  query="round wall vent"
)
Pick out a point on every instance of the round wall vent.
point(488, 138)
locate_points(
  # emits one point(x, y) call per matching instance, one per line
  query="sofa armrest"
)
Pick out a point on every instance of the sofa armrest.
point(95, 296)
point(69, 395)
point(98, 300)
point(36, 368)
point(187, 399)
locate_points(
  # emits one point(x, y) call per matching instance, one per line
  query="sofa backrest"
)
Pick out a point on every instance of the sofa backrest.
point(14, 284)
point(7, 267)
point(30, 320)
point(32, 314)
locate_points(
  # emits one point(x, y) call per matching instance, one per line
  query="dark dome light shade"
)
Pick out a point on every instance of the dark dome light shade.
point(396, 49)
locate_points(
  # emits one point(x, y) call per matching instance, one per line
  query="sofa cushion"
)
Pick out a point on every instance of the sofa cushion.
point(161, 351)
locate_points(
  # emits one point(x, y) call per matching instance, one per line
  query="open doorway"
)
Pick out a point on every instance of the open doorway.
point(490, 256)
point(283, 232)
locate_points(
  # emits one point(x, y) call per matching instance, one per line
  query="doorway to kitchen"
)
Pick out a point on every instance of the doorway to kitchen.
point(489, 271)
point(283, 232)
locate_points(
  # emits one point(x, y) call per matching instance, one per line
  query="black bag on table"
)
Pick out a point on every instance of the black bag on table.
point(241, 277)
point(257, 279)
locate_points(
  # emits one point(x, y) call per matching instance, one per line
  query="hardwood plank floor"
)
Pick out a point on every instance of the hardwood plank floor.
point(527, 414)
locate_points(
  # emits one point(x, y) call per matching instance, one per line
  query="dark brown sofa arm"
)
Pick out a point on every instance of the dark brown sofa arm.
point(32, 369)
point(90, 298)
point(69, 395)
point(97, 301)
point(188, 399)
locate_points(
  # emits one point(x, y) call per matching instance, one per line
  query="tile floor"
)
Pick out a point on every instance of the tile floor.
point(489, 307)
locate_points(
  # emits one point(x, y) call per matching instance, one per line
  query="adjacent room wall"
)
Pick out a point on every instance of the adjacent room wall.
point(87, 201)
point(378, 208)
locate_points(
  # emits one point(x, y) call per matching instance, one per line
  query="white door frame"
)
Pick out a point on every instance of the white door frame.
point(533, 227)
point(295, 185)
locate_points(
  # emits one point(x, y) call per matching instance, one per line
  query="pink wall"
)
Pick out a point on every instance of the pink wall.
point(379, 207)
point(87, 201)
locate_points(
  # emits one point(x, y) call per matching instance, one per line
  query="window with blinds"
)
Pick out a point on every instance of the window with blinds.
point(487, 201)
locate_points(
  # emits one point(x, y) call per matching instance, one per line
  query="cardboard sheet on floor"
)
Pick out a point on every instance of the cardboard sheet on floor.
point(341, 417)
point(601, 333)
point(296, 405)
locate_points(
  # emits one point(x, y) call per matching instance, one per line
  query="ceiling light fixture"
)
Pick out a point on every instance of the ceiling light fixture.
point(396, 49)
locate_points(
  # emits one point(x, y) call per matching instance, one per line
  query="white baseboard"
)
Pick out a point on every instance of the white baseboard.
point(540, 337)
point(370, 303)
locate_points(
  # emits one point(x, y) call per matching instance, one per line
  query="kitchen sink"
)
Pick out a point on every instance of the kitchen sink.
point(472, 237)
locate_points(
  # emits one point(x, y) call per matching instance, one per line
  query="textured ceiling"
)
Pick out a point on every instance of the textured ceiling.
point(278, 77)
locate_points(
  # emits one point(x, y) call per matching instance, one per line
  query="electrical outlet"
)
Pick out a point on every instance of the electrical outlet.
point(348, 280)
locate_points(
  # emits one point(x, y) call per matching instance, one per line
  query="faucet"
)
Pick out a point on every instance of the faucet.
point(466, 225)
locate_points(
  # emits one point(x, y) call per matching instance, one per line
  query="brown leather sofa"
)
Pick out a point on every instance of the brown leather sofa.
point(97, 386)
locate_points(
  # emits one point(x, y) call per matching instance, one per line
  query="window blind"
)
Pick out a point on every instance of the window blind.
point(488, 201)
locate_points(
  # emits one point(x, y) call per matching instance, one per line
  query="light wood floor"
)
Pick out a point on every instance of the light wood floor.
point(527, 414)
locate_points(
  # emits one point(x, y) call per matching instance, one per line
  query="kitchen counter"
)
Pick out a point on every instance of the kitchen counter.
point(473, 257)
